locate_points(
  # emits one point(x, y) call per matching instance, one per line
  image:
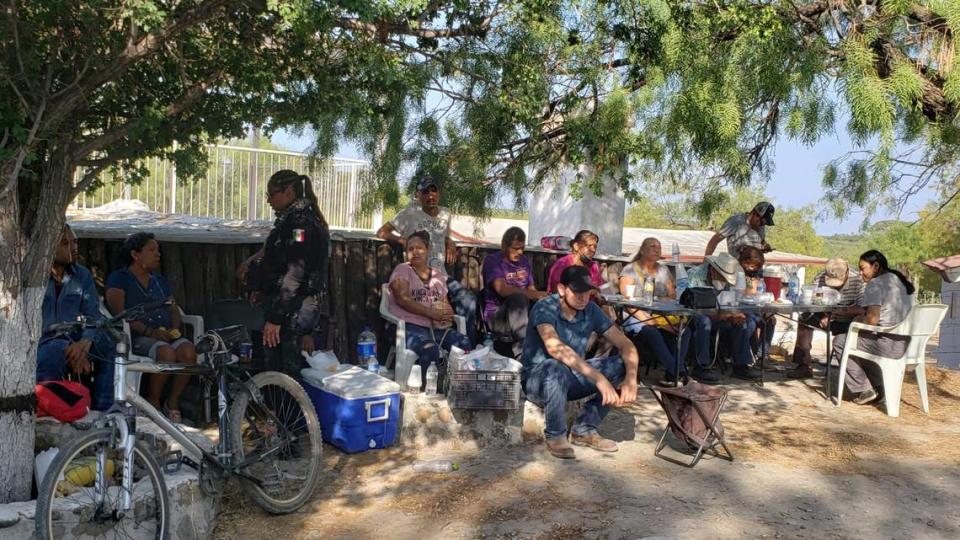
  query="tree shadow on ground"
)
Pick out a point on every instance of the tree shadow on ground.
point(803, 469)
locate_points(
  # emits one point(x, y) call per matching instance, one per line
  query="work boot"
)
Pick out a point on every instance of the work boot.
point(560, 447)
point(746, 373)
point(595, 441)
point(802, 371)
point(706, 375)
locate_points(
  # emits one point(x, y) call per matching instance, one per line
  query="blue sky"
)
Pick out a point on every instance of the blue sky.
point(795, 181)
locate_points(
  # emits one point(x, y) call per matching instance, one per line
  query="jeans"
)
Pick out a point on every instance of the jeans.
point(421, 341)
point(550, 384)
point(52, 366)
point(801, 349)
point(738, 338)
point(700, 329)
point(510, 319)
point(464, 303)
point(658, 342)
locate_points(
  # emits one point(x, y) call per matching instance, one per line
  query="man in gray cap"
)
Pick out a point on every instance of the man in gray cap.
point(744, 229)
point(426, 214)
point(838, 276)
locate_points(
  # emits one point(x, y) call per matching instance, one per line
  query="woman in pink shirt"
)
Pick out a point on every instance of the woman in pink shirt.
point(420, 299)
point(582, 249)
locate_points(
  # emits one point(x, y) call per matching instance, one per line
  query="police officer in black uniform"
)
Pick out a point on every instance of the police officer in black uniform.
point(292, 273)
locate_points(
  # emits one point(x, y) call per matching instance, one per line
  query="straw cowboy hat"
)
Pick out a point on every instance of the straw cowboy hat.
point(727, 265)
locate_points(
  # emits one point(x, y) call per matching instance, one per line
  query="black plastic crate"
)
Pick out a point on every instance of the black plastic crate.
point(484, 390)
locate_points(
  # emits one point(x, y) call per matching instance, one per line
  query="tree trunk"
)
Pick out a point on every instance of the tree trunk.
point(19, 329)
point(31, 219)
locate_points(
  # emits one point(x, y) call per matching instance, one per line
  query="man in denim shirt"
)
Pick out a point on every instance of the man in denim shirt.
point(555, 370)
point(71, 293)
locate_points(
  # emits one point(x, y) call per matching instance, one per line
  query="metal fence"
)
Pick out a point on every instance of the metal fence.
point(235, 187)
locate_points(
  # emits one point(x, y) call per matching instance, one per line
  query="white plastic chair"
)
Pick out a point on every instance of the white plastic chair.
point(920, 324)
point(133, 377)
point(404, 358)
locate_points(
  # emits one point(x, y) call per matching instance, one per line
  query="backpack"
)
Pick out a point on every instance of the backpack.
point(66, 401)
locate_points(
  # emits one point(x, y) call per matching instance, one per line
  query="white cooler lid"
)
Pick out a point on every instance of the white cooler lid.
point(355, 382)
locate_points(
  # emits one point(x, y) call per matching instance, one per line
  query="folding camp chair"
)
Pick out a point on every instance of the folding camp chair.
point(693, 416)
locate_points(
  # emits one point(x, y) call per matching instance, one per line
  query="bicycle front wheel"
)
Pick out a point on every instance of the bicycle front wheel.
point(277, 435)
point(72, 503)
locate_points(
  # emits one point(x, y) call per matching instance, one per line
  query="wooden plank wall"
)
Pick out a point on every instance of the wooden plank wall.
point(202, 273)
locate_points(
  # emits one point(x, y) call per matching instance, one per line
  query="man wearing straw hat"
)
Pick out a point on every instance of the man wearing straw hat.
point(736, 329)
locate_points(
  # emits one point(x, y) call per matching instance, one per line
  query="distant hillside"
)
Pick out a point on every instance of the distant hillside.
point(848, 246)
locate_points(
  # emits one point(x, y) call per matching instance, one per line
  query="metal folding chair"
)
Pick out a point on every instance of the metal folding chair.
point(693, 417)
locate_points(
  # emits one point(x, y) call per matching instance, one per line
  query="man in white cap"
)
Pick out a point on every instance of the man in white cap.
point(720, 272)
point(744, 229)
point(838, 276)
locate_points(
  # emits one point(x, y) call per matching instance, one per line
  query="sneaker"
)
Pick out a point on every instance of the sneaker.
point(669, 382)
point(802, 371)
point(594, 441)
point(706, 375)
point(866, 396)
point(560, 448)
point(747, 373)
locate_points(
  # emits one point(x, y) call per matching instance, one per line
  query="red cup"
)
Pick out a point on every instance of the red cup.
point(773, 284)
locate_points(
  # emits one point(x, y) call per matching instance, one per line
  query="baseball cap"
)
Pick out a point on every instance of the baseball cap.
point(765, 210)
point(835, 274)
point(577, 278)
point(425, 182)
point(727, 265)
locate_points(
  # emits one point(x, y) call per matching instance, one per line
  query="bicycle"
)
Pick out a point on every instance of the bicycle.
point(107, 482)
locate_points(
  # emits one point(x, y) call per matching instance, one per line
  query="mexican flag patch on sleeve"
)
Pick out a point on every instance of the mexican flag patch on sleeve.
point(298, 235)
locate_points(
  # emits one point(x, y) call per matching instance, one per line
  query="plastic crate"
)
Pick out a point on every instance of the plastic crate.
point(484, 390)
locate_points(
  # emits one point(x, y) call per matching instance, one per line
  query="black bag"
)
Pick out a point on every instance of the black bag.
point(699, 297)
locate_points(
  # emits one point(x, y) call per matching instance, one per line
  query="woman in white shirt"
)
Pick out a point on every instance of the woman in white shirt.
point(887, 302)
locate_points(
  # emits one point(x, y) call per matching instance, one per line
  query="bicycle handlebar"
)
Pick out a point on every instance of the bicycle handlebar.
point(131, 314)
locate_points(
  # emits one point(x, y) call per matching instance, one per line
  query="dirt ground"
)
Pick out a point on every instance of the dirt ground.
point(803, 468)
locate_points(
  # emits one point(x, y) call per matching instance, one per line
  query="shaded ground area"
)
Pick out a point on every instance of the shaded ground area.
point(803, 469)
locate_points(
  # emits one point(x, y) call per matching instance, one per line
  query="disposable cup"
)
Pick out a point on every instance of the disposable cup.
point(630, 290)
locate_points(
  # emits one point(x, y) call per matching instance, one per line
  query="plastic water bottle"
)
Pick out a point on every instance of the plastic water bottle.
point(648, 287)
point(683, 282)
point(367, 350)
point(432, 375)
point(741, 283)
point(761, 287)
point(793, 287)
point(435, 466)
point(676, 253)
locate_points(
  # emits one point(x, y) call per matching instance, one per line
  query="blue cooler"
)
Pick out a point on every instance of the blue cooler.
point(358, 410)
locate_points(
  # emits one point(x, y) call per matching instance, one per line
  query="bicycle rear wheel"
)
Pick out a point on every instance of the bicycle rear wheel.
point(69, 504)
point(279, 435)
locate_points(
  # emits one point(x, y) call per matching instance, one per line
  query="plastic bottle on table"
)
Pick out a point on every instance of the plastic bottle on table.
point(432, 376)
point(741, 283)
point(648, 287)
point(793, 287)
point(435, 466)
point(683, 282)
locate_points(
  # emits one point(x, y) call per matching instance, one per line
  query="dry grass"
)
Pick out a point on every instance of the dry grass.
point(836, 440)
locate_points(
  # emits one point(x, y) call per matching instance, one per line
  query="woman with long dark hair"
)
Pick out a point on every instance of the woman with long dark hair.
point(292, 273)
point(887, 301)
point(419, 297)
point(138, 281)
